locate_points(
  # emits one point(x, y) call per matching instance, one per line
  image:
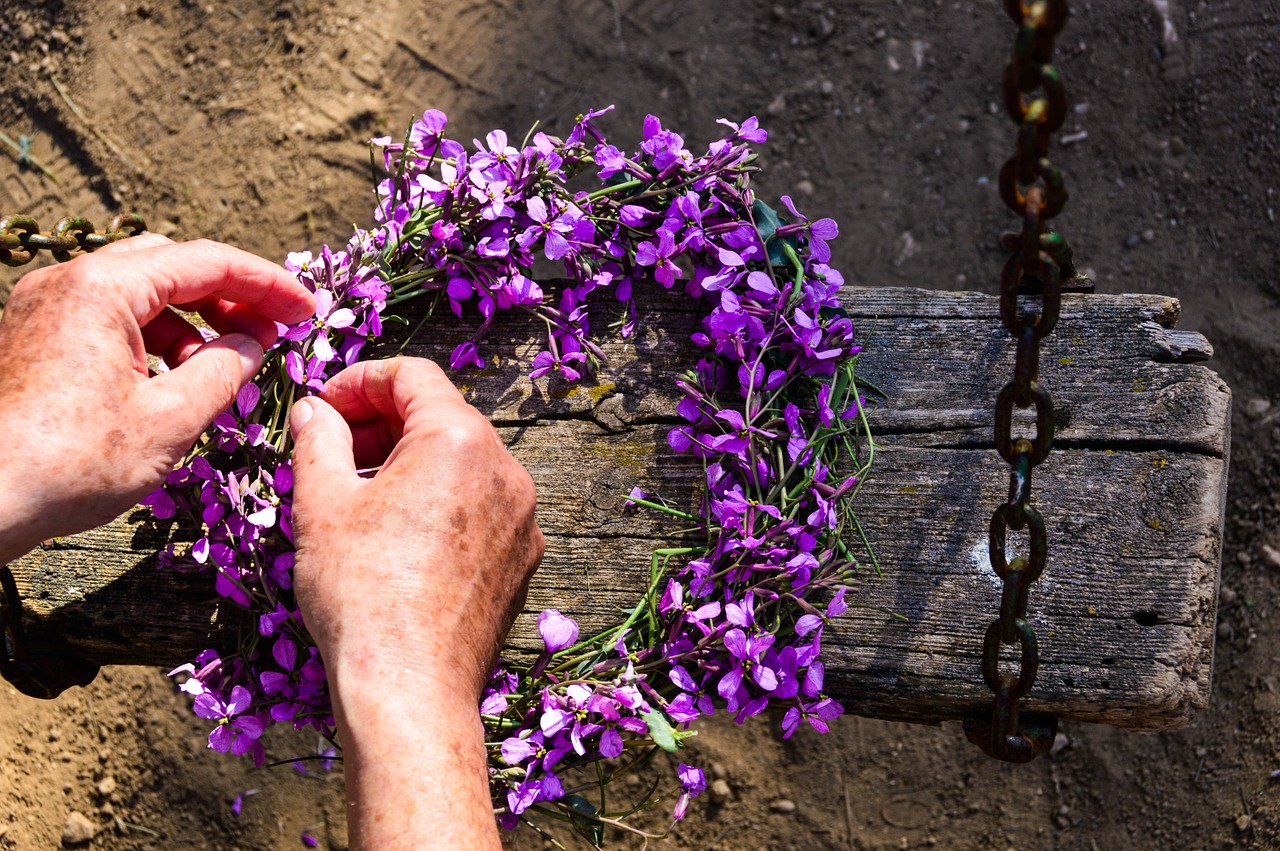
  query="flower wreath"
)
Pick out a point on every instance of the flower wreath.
point(772, 410)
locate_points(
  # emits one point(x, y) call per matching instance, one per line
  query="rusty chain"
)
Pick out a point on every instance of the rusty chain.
point(21, 238)
point(1040, 264)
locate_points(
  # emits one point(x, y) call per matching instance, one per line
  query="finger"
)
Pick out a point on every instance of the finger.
point(171, 338)
point(401, 390)
point(373, 441)
point(133, 243)
point(323, 463)
point(190, 271)
point(182, 402)
point(227, 317)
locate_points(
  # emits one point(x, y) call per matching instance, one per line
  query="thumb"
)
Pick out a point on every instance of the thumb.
point(188, 397)
point(323, 459)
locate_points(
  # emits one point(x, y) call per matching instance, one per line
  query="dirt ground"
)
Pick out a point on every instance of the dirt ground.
point(245, 121)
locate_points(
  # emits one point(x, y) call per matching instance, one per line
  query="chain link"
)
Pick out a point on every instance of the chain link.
point(21, 238)
point(1040, 264)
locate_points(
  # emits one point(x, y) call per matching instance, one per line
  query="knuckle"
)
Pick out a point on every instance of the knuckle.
point(429, 369)
point(468, 436)
point(203, 244)
point(420, 374)
point(526, 492)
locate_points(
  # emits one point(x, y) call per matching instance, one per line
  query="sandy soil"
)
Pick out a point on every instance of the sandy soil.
point(245, 121)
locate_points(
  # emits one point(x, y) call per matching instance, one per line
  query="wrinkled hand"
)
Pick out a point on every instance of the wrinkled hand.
point(423, 566)
point(85, 429)
point(408, 582)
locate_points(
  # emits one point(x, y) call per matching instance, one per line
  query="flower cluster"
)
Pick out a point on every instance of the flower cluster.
point(736, 617)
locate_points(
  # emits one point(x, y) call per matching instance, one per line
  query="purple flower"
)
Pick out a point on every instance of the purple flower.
point(818, 716)
point(659, 256)
point(466, 354)
point(610, 160)
point(238, 803)
point(557, 631)
point(235, 732)
point(750, 130)
point(666, 147)
point(545, 362)
point(692, 782)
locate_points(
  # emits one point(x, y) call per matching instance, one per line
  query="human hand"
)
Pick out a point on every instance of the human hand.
point(87, 430)
point(423, 566)
point(408, 582)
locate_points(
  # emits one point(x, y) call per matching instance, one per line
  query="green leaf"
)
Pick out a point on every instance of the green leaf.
point(833, 312)
point(767, 221)
point(660, 730)
point(584, 819)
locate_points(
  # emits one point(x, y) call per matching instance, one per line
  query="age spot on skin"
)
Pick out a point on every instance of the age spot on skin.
point(459, 520)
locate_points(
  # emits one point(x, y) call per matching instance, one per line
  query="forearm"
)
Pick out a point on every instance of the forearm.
point(415, 767)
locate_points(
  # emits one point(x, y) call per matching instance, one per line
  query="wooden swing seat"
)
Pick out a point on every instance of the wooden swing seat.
point(1133, 496)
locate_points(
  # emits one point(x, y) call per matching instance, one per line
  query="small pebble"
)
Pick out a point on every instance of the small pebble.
point(1226, 630)
point(778, 105)
point(1256, 408)
point(1243, 821)
point(783, 805)
point(1148, 235)
point(720, 789)
point(1227, 595)
point(827, 87)
point(106, 786)
point(1060, 743)
point(1271, 556)
point(718, 771)
point(1132, 240)
point(78, 829)
point(805, 187)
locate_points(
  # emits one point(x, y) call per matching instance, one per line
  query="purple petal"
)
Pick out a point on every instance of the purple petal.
point(557, 631)
point(610, 743)
point(807, 624)
point(220, 738)
point(240, 700)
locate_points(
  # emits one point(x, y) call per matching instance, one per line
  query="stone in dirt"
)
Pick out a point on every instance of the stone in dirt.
point(78, 830)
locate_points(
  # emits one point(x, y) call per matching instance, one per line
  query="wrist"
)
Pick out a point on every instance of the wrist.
point(415, 765)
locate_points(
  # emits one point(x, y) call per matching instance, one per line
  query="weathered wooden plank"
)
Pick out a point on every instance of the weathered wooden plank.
point(1133, 497)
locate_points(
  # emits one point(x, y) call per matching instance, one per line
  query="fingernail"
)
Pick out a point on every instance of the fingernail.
point(301, 414)
point(250, 353)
